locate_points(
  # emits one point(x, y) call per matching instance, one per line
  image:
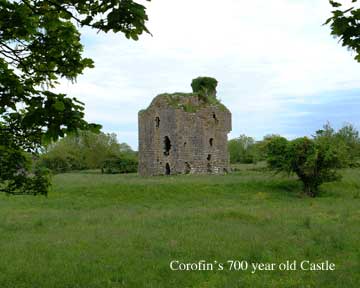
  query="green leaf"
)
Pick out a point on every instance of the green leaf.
point(59, 106)
point(335, 4)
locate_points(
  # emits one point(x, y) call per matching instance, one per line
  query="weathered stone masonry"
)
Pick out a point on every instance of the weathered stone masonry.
point(182, 134)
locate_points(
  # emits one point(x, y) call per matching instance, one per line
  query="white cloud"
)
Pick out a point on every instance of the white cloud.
point(267, 55)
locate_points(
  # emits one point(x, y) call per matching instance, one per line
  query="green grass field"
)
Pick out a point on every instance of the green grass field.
point(123, 231)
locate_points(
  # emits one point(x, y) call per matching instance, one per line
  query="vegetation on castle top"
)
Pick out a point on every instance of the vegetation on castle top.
point(178, 100)
point(205, 86)
point(203, 95)
point(183, 101)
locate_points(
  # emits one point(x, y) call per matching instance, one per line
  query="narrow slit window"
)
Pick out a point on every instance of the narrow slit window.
point(167, 146)
point(157, 122)
point(215, 118)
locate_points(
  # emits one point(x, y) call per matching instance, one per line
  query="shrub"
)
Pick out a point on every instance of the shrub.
point(84, 150)
point(314, 161)
point(125, 163)
point(242, 150)
point(205, 87)
point(61, 163)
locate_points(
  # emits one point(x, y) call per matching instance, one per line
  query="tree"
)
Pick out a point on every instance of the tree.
point(242, 149)
point(261, 146)
point(349, 135)
point(84, 150)
point(345, 24)
point(314, 161)
point(15, 166)
point(81, 150)
point(39, 44)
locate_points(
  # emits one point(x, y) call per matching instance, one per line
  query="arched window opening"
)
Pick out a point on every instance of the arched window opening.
point(187, 168)
point(167, 146)
point(216, 120)
point(167, 169)
point(211, 141)
point(157, 122)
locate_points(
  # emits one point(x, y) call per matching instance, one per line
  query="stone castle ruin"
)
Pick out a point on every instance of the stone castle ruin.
point(185, 133)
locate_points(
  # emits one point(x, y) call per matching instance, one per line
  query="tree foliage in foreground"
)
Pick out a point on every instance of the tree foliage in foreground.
point(314, 160)
point(40, 44)
point(345, 25)
point(16, 164)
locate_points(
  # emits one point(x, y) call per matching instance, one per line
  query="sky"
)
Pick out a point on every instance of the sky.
point(279, 69)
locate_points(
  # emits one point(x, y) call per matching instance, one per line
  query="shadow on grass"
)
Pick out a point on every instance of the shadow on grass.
point(288, 187)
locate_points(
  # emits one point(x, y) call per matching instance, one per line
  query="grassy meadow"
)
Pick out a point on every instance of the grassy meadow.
point(103, 231)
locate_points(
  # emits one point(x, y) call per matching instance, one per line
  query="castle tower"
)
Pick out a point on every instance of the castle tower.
point(184, 133)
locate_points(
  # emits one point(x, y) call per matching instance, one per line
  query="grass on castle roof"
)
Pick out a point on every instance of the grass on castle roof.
point(175, 100)
point(122, 231)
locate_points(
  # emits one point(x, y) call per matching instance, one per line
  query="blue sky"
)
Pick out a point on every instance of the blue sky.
point(278, 68)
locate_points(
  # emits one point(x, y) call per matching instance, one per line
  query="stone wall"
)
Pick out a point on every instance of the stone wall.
point(174, 141)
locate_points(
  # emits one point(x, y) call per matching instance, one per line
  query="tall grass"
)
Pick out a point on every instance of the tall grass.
point(122, 231)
